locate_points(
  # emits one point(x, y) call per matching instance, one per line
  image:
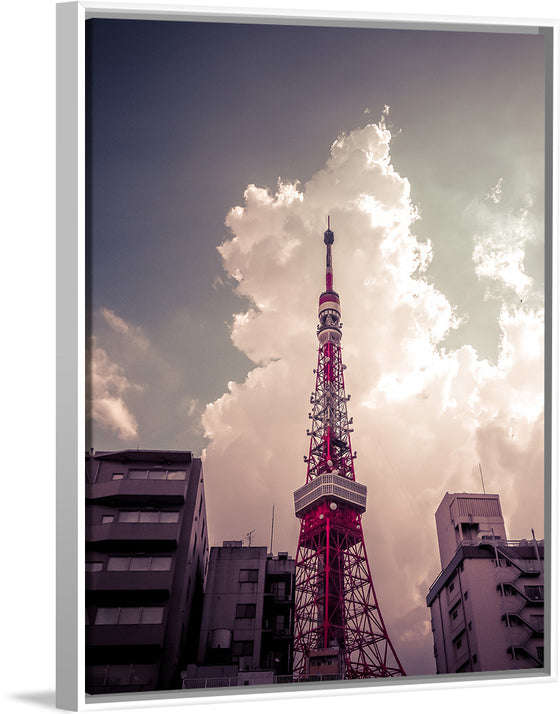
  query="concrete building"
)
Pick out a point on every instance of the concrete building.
point(146, 559)
point(247, 623)
point(487, 604)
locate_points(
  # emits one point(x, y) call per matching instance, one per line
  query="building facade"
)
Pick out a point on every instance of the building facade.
point(146, 560)
point(487, 603)
point(246, 633)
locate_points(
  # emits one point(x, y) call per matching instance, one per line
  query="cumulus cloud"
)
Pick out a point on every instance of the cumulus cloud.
point(495, 193)
point(499, 252)
point(107, 388)
point(424, 416)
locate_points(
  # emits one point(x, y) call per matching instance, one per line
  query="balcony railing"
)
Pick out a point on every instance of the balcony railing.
point(214, 682)
point(129, 580)
point(501, 546)
point(134, 491)
point(133, 635)
point(136, 532)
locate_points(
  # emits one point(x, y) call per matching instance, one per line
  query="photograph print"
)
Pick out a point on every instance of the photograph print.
point(315, 317)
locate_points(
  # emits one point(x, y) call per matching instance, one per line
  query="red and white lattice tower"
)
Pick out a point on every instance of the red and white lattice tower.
point(339, 630)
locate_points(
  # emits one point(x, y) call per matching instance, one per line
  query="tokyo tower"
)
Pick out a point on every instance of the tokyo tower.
point(339, 630)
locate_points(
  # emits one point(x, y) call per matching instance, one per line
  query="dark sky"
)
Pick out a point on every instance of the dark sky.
point(183, 115)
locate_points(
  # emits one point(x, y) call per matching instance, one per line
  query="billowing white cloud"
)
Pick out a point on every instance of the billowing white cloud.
point(495, 193)
point(424, 417)
point(108, 385)
point(499, 252)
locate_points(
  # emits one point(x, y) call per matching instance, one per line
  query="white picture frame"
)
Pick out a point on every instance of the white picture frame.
point(70, 447)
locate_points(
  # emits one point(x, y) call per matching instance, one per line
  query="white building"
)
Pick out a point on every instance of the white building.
point(487, 604)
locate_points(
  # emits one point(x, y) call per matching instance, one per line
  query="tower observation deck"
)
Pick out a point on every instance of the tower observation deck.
point(339, 629)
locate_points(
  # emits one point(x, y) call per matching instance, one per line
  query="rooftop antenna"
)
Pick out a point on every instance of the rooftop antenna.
point(249, 536)
point(272, 530)
point(536, 545)
point(481, 477)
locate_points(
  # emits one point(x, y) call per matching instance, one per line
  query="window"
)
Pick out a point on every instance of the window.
point(116, 563)
point(119, 674)
point(107, 519)
point(151, 615)
point(474, 659)
point(470, 626)
point(107, 616)
point(148, 516)
point(451, 587)
point(169, 517)
point(135, 615)
point(139, 563)
point(248, 576)
point(138, 474)
point(246, 610)
point(278, 589)
point(279, 625)
point(458, 644)
point(534, 592)
point(466, 594)
point(130, 615)
point(94, 567)
point(117, 477)
point(176, 475)
point(156, 475)
point(242, 648)
point(455, 613)
point(160, 563)
point(128, 516)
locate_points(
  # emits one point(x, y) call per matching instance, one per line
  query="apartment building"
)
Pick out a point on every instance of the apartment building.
point(246, 633)
point(487, 603)
point(146, 557)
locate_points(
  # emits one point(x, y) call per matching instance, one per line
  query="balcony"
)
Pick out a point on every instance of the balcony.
point(166, 534)
point(138, 491)
point(519, 553)
point(532, 595)
point(107, 581)
point(130, 635)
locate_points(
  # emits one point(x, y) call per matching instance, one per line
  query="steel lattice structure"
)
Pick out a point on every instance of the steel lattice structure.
point(339, 629)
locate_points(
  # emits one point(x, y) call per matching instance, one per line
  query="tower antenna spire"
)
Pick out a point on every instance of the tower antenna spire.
point(337, 616)
point(329, 240)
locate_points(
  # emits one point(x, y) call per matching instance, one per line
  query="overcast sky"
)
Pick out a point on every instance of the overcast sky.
point(215, 154)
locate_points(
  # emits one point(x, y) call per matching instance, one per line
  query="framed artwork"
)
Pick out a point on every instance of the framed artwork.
point(306, 285)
